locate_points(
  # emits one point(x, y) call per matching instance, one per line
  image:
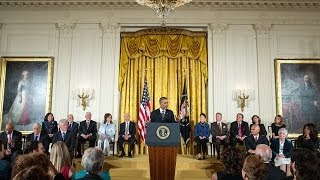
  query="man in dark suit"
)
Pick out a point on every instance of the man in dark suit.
point(220, 133)
point(265, 152)
point(65, 136)
point(37, 135)
point(162, 115)
point(73, 126)
point(127, 133)
point(239, 130)
point(87, 132)
point(12, 142)
point(254, 139)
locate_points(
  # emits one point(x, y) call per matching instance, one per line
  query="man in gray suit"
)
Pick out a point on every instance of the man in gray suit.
point(220, 133)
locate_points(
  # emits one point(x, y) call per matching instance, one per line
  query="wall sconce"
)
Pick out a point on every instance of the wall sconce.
point(83, 96)
point(242, 96)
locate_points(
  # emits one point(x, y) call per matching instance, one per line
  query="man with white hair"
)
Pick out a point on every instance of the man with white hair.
point(37, 135)
point(73, 126)
point(265, 152)
point(92, 162)
point(87, 132)
point(65, 136)
point(254, 139)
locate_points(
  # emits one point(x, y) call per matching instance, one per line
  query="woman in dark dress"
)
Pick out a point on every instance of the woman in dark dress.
point(256, 120)
point(232, 160)
point(278, 124)
point(309, 139)
point(49, 126)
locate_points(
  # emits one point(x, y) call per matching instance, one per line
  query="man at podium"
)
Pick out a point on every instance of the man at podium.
point(162, 114)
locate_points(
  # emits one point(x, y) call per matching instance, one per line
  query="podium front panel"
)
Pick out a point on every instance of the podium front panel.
point(163, 134)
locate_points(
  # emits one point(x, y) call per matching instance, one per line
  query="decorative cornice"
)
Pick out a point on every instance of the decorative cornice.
point(65, 29)
point(164, 30)
point(262, 28)
point(108, 28)
point(256, 4)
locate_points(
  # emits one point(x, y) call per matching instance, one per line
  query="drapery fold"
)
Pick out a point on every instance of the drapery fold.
point(164, 56)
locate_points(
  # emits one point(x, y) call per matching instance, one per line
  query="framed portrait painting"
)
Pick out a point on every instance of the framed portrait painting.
point(25, 91)
point(298, 92)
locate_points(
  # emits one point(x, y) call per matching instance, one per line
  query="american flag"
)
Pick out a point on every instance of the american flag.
point(144, 111)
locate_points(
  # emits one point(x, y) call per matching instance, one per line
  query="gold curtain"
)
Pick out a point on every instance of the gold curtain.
point(164, 56)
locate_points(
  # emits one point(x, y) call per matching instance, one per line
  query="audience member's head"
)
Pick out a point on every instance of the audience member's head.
point(107, 118)
point(265, 152)
point(305, 164)
point(254, 168)
point(32, 173)
point(92, 160)
point(35, 147)
point(70, 118)
point(63, 125)
point(28, 160)
point(9, 127)
point(282, 134)
point(49, 117)
point(232, 160)
point(239, 117)
point(60, 155)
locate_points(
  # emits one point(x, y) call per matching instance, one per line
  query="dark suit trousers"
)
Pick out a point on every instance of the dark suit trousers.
point(201, 144)
point(234, 141)
point(91, 139)
point(121, 141)
point(218, 142)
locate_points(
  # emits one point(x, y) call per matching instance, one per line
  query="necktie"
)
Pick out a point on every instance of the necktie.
point(163, 114)
point(36, 137)
point(70, 125)
point(256, 138)
point(239, 130)
point(127, 129)
point(9, 142)
point(88, 124)
point(63, 135)
point(220, 128)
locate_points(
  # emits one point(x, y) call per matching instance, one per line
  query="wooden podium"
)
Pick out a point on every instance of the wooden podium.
point(163, 140)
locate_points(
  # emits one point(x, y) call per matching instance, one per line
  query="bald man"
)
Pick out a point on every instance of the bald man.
point(254, 139)
point(12, 142)
point(37, 135)
point(265, 152)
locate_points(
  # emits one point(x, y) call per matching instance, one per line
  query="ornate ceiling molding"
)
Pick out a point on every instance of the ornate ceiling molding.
point(238, 4)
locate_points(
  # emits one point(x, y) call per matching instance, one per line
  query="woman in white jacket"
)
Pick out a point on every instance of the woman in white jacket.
point(106, 133)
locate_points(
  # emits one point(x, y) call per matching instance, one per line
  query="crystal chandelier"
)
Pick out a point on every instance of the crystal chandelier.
point(163, 8)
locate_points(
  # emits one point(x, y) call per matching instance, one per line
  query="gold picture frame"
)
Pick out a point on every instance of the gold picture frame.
point(298, 93)
point(25, 91)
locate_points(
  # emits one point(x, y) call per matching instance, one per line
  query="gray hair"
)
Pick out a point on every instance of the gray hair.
point(37, 124)
point(62, 121)
point(265, 152)
point(283, 130)
point(92, 160)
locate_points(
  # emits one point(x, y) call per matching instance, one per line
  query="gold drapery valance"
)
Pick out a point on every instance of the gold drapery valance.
point(168, 55)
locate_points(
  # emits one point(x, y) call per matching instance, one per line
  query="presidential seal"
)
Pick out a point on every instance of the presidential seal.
point(163, 132)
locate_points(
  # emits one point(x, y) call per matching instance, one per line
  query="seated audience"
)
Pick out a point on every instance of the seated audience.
point(256, 120)
point(254, 139)
point(106, 133)
point(73, 126)
point(34, 147)
point(37, 135)
point(265, 152)
point(305, 164)
point(239, 130)
point(36, 159)
point(278, 123)
point(201, 136)
point(92, 162)
point(220, 133)
point(309, 139)
point(127, 133)
point(281, 150)
point(66, 136)
point(32, 173)
point(12, 141)
point(49, 126)
point(254, 168)
point(61, 159)
point(232, 160)
point(87, 132)
point(5, 166)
